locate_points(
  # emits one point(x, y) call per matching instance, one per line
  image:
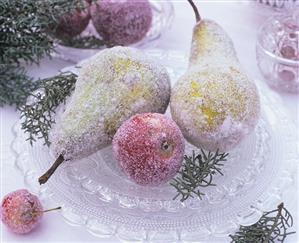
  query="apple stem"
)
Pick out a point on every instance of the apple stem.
point(45, 177)
point(195, 9)
point(52, 209)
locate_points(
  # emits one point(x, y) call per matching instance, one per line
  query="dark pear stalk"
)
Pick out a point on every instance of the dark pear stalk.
point(45, 177)
point(197, 15)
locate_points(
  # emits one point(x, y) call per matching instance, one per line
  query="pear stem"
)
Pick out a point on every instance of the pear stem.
point(45, 177)
point(195, 9)
point(52, 209)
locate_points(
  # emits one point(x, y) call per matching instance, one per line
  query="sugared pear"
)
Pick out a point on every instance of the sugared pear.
point(215, 104)
point(112, 86)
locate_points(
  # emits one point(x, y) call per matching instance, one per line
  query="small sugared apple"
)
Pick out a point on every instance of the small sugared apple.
point(21, 211)
point(149, 148)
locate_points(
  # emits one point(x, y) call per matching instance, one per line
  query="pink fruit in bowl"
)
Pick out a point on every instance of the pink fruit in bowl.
point(121, 22)
point(72, 24)
point(149, 148)
point(21, 211)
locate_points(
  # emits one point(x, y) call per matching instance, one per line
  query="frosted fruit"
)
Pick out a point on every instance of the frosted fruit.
point(121, 22)
point(72, 24)
point(21, 211)
point(149, 148)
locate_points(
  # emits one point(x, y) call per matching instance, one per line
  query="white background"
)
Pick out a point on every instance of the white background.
point(240, 19)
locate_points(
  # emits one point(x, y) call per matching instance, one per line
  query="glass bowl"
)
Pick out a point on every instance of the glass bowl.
point(163, 14)
point(277, 52)
point(279, 4)
point(96, 195)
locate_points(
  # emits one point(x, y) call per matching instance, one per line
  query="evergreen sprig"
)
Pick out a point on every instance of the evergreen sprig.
point(21, 35)
point(196, 172)
point(24, 28)
point(272, 227)
point(38, 113)
point(24, 38)
point(15, 85)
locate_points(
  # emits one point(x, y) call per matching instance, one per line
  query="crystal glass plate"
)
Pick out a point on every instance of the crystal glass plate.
point(163, 14)
point(96, 195)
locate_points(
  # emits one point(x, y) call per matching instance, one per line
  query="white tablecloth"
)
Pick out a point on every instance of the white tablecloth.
point(240, 19)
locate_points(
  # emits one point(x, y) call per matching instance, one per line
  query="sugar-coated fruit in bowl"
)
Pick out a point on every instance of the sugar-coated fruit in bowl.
point(89, 42)
point(121, 22)
point(71, 24)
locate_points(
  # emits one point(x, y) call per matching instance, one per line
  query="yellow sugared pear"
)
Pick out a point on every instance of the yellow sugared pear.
point(214, 103)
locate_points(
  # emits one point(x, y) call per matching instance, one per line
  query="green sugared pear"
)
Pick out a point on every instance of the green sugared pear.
point(112, 86)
